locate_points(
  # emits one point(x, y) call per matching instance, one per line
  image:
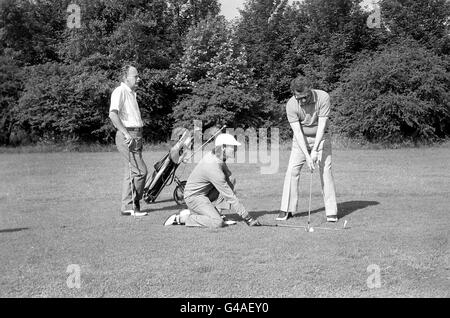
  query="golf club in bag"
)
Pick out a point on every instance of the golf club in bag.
point(165, 169)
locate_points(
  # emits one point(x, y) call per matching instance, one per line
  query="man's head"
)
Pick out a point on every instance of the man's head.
point(130, 76)
point(224, 146)
point(301, 89)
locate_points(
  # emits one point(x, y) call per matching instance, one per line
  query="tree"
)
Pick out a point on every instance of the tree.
point(202, 43)
point(399, 93)
point(424, 21)
point(10, 89)
point(63, 102)
point(266, 31)
point(32, 28)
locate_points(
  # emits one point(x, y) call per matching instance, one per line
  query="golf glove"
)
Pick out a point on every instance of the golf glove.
point(252, 222)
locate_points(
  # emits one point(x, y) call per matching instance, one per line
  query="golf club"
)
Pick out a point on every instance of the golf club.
point(309, 205)
point(305, 227)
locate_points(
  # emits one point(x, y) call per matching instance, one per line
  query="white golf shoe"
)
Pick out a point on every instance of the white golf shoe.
point(174, 219)
point(332, 218)
point(227, 221)
point(133, 213)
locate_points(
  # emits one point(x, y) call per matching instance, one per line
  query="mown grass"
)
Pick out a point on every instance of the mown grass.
point(338, 142)
point(62, 208)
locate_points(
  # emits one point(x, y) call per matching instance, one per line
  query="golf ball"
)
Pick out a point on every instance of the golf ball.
point(311, 229)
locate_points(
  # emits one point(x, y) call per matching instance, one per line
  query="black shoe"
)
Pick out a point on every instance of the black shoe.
point(126, 212)
point(283, 216)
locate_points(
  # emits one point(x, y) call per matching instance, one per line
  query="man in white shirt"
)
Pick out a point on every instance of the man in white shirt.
point(207, 186)
point(126, 117)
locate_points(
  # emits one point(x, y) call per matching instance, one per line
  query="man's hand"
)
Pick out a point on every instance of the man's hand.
point(252, 222)
point(315, 156)
point(128, 138)
point(310, 163)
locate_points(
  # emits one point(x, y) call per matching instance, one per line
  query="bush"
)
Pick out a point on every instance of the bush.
point(214, 105)
point(400, 93)
point(62, 102)
point(156, 96)
point(10, 90)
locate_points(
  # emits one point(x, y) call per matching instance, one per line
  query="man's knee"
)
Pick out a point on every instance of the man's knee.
point(233, 182)
point(142, 170)
point(217, 223)
point(326, 166)
point(295, 171)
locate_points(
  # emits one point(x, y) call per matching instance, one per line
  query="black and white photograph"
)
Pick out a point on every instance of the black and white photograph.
point(224, 155)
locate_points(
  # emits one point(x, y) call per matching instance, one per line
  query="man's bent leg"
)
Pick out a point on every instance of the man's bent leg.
point(203, 213)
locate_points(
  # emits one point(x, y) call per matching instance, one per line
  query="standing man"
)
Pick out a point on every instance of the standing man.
point(208, 186)
point(126, 117)
point(308, 113)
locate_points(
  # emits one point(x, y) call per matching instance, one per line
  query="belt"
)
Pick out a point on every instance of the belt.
point(133, 128)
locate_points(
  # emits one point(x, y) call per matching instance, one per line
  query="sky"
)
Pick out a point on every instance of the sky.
point(230, 7)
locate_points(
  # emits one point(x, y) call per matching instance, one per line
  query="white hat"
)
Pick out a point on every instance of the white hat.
point(226, 139)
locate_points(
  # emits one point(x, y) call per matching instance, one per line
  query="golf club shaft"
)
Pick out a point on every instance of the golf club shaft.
point(302, 227)
point(310, 197)
point(206, 142)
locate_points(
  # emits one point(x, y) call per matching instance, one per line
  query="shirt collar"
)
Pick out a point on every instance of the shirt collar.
point(126, 87)
point(314, 96)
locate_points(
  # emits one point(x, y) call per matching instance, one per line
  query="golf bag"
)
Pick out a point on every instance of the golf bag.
point(164, 173)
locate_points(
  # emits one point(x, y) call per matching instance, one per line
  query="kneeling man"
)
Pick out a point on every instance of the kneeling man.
point(208, 185)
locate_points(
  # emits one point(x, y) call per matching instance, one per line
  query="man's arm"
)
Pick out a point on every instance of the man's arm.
point(114, 116)
point(219, 181)
point(323, 121)
point(300, 138)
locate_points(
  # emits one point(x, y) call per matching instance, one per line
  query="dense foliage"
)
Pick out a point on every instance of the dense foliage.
point(401, 92)
point(387, 84)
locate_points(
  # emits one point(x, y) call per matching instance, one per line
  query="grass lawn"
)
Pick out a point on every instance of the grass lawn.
point(58, 209)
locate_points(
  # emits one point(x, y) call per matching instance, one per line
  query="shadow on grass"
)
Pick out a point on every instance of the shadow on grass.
point(163, 201)
point(14, 230)
point(150, 209)
point(344, 208)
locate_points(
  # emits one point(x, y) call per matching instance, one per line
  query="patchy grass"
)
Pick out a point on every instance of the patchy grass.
point(59, 209)
point(338, 142)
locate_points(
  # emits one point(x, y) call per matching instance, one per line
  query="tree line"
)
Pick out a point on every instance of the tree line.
point(388, 84)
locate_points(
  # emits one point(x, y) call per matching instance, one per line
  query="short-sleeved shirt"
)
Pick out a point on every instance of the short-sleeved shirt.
point(123, 100)
point(308, 115)
point(211, 172)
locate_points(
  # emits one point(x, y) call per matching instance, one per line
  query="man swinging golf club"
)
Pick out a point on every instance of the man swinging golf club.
point(308, 111)
point(208, 186)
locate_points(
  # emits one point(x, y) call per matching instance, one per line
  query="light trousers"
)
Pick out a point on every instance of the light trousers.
point(138, 171)
point(290, 197)
point(205, 209)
